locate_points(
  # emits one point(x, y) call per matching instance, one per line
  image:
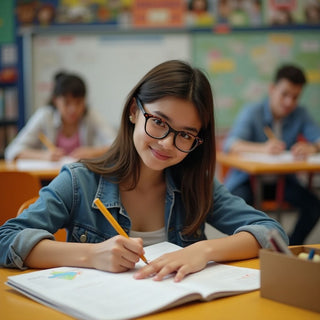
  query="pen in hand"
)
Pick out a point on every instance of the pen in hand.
point(114, 222)
point(43, 138)
point(273, 144)
point(269, 133)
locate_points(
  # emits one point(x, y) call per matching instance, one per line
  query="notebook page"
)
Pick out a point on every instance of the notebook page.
point(93, 294)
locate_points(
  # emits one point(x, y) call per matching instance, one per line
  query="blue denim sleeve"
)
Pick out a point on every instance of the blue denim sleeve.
point(21, 246)
point(231, 215)
point(310, 130)
point(241, 129)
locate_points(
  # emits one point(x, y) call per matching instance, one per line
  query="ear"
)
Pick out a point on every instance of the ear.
point(133, 111)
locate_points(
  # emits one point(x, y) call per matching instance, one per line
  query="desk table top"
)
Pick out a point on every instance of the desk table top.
point(41, 173)
point(249, 306)
point(238, 162)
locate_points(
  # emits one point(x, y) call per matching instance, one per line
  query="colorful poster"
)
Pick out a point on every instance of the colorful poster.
point(53, 12)
point(159, 13)
point(95, 11)
point(239, 13)
point(241, 67)
point(292, 12)
point(200, 13)
point(6, 22)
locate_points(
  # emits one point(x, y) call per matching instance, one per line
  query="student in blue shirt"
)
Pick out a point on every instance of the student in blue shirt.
point(157, 180)
point(288, 120)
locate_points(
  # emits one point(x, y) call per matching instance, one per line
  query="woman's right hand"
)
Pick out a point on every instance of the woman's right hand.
point(54, 155)
point(274, 146)
point(117, 254)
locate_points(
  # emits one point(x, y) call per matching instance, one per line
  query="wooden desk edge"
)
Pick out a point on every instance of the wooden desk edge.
point(251, 304)
point(252, 167)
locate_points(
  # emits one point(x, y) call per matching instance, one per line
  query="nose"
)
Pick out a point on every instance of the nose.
point(290, 101)
point(73, 108)
point(168, 141)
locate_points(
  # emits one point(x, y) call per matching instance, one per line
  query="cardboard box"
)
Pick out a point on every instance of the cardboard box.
point(289, 279)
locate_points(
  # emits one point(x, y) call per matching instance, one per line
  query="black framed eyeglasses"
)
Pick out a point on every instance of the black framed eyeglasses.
point(156, 128)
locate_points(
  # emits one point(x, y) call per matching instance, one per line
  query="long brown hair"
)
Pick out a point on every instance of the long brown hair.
point(195, 174)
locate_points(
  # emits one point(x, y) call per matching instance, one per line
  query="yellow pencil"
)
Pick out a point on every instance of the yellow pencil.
point(113, 222)
point(269, 133)
point(46, 141)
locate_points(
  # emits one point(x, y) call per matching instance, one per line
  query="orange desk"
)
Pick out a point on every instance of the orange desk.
point(42, 174)
point(257, 169)
point(248, 306)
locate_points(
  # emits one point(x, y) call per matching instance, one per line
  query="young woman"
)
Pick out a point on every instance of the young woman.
point(66, 122)
point(157, 180)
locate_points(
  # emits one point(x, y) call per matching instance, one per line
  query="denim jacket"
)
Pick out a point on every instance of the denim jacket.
point(67, 202)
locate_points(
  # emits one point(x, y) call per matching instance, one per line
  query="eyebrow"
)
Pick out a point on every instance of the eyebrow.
point(166, 118)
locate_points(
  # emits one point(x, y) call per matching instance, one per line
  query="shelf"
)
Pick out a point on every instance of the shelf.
point(8, 84)
point(113, 29)
point(8, 122)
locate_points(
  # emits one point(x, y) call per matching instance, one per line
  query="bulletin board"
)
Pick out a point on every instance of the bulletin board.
point(241, 66)
point(110, 64)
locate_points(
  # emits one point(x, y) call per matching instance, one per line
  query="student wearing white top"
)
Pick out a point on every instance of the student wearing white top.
point(67, 122)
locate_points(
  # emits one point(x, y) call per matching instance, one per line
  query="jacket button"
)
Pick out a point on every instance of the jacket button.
point(198, 233)
point(83, 238)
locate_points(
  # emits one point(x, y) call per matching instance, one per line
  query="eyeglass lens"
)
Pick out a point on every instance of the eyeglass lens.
point(159, 129)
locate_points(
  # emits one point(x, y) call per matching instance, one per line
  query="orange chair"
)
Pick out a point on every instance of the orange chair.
point(60, 235)
point(15, 188)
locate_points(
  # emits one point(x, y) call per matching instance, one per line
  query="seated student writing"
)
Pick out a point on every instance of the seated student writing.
point(67, 122)
point(281, 113)
point(157, 180)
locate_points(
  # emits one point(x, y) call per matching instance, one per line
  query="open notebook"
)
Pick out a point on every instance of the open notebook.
point(92, 294)
point(32, 164)
point(284, 157)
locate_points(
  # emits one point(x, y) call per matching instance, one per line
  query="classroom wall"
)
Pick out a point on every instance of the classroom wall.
point(240, 65)
point(110, 64)
point(113, 43)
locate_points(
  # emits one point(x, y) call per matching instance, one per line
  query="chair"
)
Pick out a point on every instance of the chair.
point(60, 235)
point(15, 188)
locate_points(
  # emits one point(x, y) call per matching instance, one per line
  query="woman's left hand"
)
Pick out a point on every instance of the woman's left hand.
point(301, 150)
point(185, 261)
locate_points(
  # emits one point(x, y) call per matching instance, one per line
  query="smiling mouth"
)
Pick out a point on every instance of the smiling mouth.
point(159, 155)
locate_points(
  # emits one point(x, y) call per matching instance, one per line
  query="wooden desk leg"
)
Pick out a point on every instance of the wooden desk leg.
point(310, 178)
point(256, 186)
point(280, 196)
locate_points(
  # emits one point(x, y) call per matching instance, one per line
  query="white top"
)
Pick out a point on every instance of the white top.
point(93, 130)
point(151, 237)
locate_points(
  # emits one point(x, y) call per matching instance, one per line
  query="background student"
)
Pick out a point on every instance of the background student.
point(67, 122)
point(288, 120)
point(157, 180)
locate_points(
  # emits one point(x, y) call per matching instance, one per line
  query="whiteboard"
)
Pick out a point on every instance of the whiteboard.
point(111, 65)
